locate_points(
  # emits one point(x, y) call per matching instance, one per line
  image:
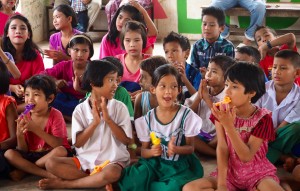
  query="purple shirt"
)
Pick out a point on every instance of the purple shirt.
point(55, 41)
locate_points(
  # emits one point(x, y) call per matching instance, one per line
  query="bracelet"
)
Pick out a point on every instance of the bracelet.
point(269, 45)
point(132, 146)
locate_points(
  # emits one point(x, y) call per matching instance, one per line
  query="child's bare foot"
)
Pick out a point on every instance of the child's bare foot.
point(49, 183)
point(289, 164)
point(17, 175)
point(109, 187)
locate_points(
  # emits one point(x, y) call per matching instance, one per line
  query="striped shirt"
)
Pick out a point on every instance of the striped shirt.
point(78, 6)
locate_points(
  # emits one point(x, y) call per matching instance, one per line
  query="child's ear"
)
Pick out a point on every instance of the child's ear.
point(70, 19)
point(119, 79)
point(50, 98)
point(251, 94)
point(152, 89)
point(221, 28)
point(179, 89)
point(69, 51)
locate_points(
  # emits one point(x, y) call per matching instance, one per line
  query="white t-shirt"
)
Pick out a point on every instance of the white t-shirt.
point(204, 112)
point(102, 145)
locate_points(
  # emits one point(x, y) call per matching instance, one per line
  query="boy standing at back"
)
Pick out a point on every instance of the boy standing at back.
point(177, 50)
point(212, 44)
point(282, 98)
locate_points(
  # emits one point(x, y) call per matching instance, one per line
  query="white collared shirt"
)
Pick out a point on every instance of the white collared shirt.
point(289, 108)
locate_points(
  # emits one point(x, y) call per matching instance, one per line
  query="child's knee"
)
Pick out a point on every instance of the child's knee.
point(10, 154)
point(59, 151)
point(296, 173)
point(51, 163)
point(113, 174)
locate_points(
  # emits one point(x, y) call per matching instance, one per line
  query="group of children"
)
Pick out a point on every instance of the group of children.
point(174, 100)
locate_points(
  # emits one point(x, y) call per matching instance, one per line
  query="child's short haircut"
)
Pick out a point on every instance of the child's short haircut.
point(150, 64)
point(134, 26)
point(291, 55)
point(4, 78)
point(250, 51)
point(250, 76)
point(42, 82)
point(215, 12)
point(265, 27)
point(224, 62)
point(164, 70)
point(116, 62)
point(68, 12)
point(95, 72)
point(81, 39)
point(183, 41)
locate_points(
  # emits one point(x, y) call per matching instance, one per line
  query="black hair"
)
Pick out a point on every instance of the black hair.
point(30, 51)
point(14, 7)
point(113, 33)
point(95, 72)
point(68, 12)
point(250, 76)
point(291, 55)
point(4, 78)
point(215, 12)
point(42, 82)
point(164, 70)
point(81, 39)
point(150, 64)
point(224, 62)
point(250, 51)
point(183, 41)
point(134, 26)
point(115, 61)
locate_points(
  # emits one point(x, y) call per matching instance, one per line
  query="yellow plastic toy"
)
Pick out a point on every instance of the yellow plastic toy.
point(98, 168)
point(224, 101)
point(154, 139)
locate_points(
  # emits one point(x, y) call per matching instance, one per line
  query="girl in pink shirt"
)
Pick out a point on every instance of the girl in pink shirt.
point(41, 132)
point(133, 39)
point(110, 44)
point(7, 9)
point(68, 74)
point(17, 40)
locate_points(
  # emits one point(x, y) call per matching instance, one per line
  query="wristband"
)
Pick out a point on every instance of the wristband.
point(132, 146)
point(269, 45)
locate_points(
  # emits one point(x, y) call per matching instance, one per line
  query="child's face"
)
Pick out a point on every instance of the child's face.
point(236, 92)
point(283, 72)
point(166, 91)
point(243, 57)
point(122, 18)
point(133, 43)
point(262, 36)
point(8, 3)
point(210, 28)
point(38, 98)
point(145, 81)
point(18, 32)
point(80, 54)
point(110, 84)
point(214, 75)
point(60, 20)
point(174, 52)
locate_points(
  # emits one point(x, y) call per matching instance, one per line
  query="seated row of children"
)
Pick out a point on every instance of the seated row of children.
point(175, 124)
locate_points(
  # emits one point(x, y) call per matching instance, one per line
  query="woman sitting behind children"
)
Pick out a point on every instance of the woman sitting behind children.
point(170, 164)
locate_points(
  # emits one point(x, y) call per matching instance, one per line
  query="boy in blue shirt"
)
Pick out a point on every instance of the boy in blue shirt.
point(212, 44)
point(177, 50)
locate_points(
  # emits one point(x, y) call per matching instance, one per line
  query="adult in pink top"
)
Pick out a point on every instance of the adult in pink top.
point(110, 44)
point(7, 9)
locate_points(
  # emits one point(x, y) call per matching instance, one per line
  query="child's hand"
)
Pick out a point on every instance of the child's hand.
point(204, 90)
point(172, 146)
point(95, 112)
point(58, 55)
point(202, 71)
point(181, 70)
point(61, 83)
point(104, 110)
point(136, 4)
point(77, 81)
point(156, 150)
point(18, 90)
point(225, 115)
point(222, 188)
point(134, 94)
point(22, 125)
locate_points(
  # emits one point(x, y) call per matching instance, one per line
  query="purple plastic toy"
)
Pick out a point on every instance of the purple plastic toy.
point(27, 109)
